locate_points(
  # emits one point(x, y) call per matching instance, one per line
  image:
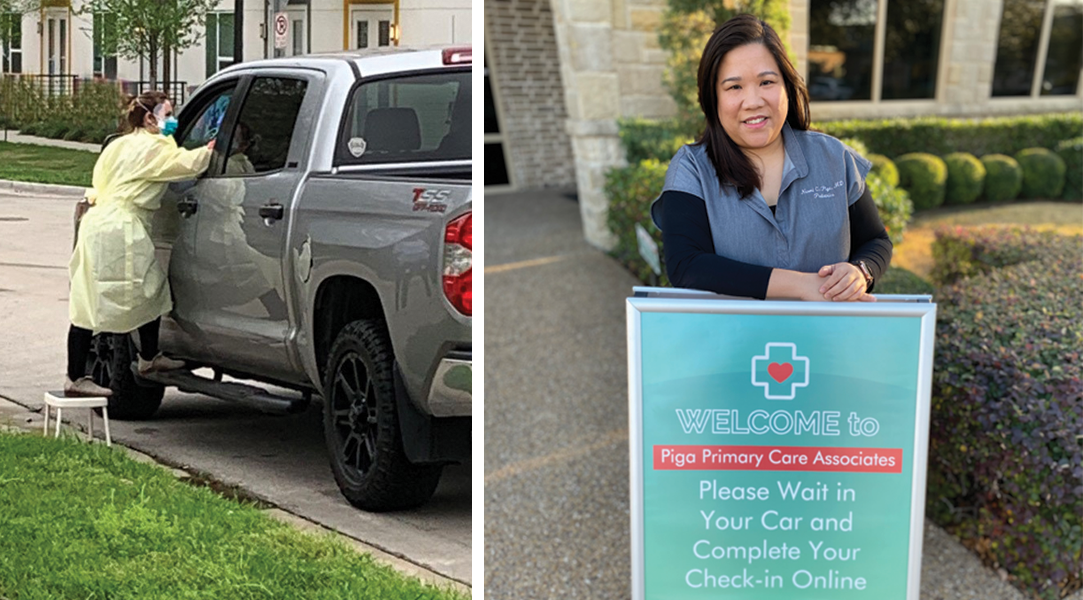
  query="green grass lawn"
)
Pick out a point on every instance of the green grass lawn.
point(46, 164)
point(82, 521)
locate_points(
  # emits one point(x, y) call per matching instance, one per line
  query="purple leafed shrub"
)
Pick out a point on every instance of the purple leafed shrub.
point(1006, 437)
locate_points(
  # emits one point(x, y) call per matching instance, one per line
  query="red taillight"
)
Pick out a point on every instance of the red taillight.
point(458, 262)
point(459, 55)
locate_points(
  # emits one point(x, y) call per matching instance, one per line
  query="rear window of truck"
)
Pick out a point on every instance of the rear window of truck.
point(419, 118)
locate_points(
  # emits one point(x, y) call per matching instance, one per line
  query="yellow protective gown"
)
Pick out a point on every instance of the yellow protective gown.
point(117, 284)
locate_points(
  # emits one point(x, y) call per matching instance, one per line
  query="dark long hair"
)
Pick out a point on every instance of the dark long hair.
point(729, 161)
point(139, 107)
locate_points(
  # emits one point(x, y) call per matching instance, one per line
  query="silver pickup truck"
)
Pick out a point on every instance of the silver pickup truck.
point(326, 250)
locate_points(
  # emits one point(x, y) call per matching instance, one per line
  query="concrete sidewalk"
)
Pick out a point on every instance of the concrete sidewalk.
point(556, 439)
point(10, 135)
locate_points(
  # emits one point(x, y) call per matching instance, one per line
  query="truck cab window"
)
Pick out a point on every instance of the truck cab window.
point(261, 138)
point(409, 119)
point(206, 125)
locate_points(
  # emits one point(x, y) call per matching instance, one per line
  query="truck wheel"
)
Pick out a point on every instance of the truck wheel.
point(361, 426)
point(109, 365)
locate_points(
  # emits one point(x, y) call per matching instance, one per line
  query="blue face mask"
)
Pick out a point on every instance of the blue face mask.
point(168, 126)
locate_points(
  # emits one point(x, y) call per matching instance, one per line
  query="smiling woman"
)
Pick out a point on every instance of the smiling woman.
point(760, 206)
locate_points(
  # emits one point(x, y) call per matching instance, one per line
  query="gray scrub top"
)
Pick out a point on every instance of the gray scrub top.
point(821, 178)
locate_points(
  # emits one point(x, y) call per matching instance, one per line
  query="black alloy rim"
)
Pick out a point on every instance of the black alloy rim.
point(101, 355)
point(353, 411)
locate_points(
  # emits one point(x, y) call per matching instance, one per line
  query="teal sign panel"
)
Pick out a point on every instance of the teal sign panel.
point(778, 455)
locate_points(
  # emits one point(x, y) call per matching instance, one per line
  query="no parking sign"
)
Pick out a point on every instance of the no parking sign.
point(282, 29)
point(778, 449)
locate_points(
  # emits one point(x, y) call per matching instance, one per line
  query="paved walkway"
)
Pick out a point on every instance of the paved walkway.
point(556, 440)
point(10, 135)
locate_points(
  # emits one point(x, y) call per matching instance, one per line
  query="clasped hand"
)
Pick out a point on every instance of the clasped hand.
point(843, 282)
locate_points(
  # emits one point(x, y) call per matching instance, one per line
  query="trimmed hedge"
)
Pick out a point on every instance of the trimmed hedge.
point(884, 167)
point(966, 176)
point(1071, 152)
point(894, 205)
point(925, 176)
point(1043, 173)
point(1006, 464)
point(938, 135)
point(857, 146)
point(1003, 177)
point(89, 114)
point(644, 139)
point(630, 191)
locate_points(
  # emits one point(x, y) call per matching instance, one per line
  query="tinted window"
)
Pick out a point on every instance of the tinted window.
point(420, 118)
point(912, 48)
point(1017, 47)
point(206, 125)
point(265, 126)
point(841, 39)
point(1065, 56)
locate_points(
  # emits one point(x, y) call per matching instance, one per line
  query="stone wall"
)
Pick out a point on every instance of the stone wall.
point(522, 49)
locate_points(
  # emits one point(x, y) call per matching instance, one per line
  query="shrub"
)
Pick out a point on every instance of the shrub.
point(885, 168)
point(1071, 152)
point(924, 176)
point(966, 176)
point(643, 139)
point(630, 191)
point(897, 280)
point(939, 135)
point(1006, 466)
point(1003, 177)
point(857, 146)
point(1043, 173)
point(894, 205)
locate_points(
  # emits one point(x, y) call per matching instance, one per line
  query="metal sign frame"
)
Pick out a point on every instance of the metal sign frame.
point(648, 300)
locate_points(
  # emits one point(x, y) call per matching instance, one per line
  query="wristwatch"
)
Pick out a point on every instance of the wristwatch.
point(860, 264)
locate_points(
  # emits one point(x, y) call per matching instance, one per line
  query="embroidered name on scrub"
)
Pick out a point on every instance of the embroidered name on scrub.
point(821, 191)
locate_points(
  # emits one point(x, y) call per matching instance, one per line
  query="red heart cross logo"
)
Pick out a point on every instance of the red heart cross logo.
point(780, 372)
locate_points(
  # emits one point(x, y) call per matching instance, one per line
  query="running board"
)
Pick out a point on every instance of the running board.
point(247, 395)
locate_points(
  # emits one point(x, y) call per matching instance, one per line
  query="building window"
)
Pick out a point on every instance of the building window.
point(496, 165)
point(1065, 56)
point(1021, 54)
point(843, 40)
point(219, 41)
point(11, 42)
point(105, 53)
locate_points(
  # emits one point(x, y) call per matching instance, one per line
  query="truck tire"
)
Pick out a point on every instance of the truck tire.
point(110, 365)
point(361, 425)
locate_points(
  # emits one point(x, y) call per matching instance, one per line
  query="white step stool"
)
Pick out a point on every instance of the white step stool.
point(60, 401)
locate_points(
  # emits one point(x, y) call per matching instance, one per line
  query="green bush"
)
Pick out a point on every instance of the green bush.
point(885, 168)
point(1003, 177)
point(857, 146)
point(1006, 473)
point(894, 205)
point(630, 191)
point(924, 176)
point(644, 139)
point(1043, 173)
point(1071, 152)
point(94, 108)
point(939, 135)
point(897, 280)
point(966, 176)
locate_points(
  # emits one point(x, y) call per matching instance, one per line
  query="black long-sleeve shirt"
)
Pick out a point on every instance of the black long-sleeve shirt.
point(691, 261)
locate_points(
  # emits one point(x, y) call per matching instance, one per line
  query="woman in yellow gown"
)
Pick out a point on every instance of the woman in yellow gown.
point(117, 284)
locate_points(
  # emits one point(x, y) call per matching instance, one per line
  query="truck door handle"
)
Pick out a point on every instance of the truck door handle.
point(187, 206)
point(273, 211)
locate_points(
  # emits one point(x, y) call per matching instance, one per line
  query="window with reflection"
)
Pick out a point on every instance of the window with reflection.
point(1017, 47)
point(842, 34)
point(912, 48)
point(1065, 56)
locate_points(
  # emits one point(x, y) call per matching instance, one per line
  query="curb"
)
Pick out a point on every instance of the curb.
point(26, 188)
